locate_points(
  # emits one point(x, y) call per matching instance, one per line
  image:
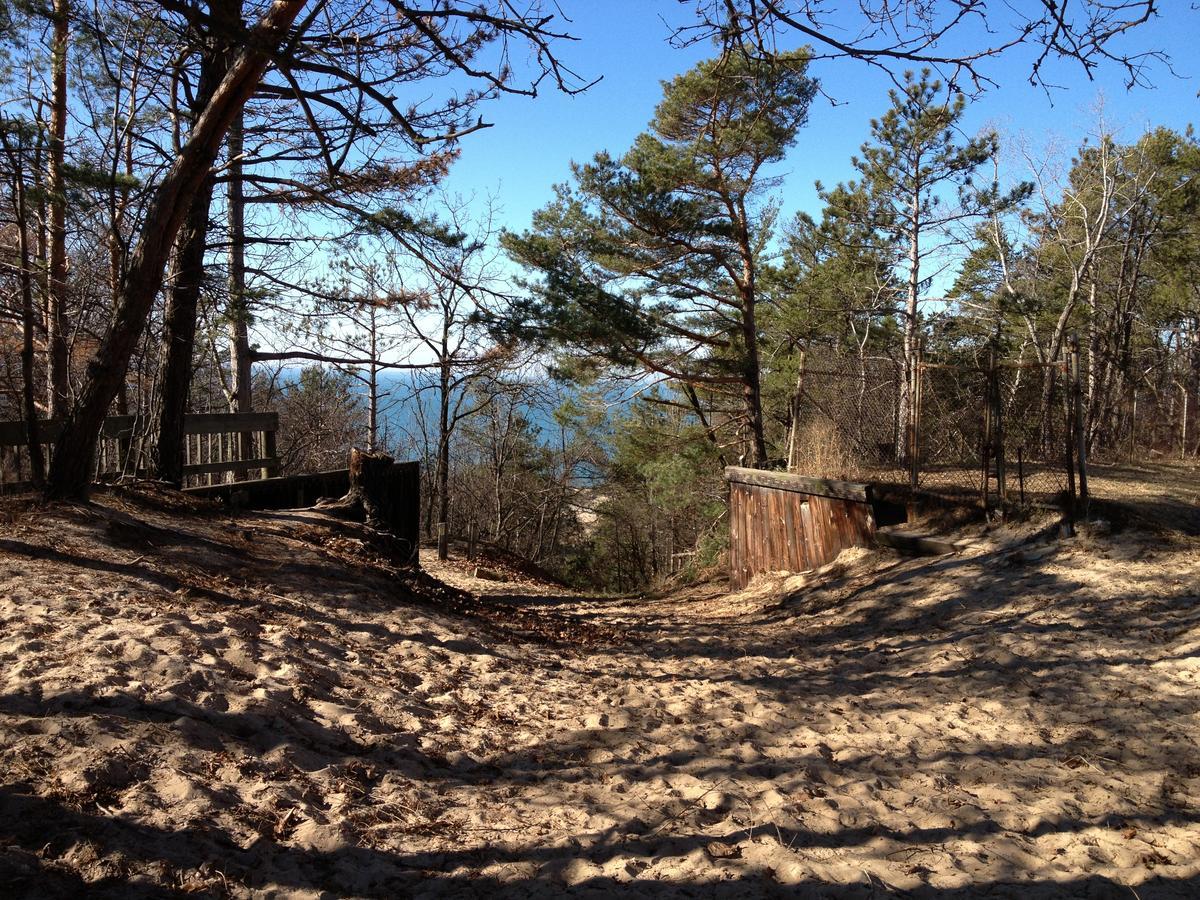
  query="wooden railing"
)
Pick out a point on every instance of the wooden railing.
point(215, 444)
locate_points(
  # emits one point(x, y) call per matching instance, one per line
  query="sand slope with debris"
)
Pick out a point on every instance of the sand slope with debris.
point(265, 707)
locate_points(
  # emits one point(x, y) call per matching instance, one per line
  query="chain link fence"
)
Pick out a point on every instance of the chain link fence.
point(1000, 431)
point(846, 418)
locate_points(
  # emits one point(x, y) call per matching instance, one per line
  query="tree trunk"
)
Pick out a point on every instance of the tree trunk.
point(116, 263)
point(70, 473)
point(911, 340)
point(367, 500)
point(1092, 397)
point(37, 462)
point(179, 336)
point(187, 278)
point(443, 460)
point(751, 378)
point(58, 383)
point(373, 378)
point(795, 410)
point(372, 403)
point(370, 484)
point(238, 312)
point(752, 391)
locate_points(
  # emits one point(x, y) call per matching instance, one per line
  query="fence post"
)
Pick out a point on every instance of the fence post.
point(1133, 425)
point(270, 447)
point(998, 428)
point(914, 419)
point(797, 392)
point(986, 443)
point(1021, 471)
point(1183, 425)
point(1069, 523)
point(471, 540)
point(244, 451)
point(443, 541)
point(1080, 435)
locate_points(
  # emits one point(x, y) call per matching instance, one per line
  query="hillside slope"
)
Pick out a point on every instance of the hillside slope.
point(263, 706)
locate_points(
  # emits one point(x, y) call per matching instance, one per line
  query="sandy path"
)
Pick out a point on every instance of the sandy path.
point(233, 710)
point(1165, 492)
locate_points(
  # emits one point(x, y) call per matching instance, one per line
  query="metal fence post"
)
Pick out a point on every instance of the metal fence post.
point(998, 428)
point(1069, 406)
point(1080, 436)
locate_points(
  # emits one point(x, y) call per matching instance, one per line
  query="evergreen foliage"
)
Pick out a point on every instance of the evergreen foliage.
point(651, 261)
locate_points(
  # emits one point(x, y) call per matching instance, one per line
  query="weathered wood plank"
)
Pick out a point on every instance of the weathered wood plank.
point(230, 423)
point(15, 434)
point(790, 508)
point(802, 484)
point(776, 529)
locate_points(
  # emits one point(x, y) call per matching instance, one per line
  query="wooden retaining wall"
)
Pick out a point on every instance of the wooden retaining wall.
point(792, 523)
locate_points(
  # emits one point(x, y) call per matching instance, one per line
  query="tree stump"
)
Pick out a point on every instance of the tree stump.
point(383, 494)
point(371, 496)
point(374, 488)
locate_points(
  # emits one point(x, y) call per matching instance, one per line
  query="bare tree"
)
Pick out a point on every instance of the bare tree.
point(70, 470)
point(451, 36)
point(457, 285)
point(13, 138)
point(956, 38)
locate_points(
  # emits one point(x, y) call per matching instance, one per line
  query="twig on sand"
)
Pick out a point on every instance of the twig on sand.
point(913, 851)
point(687, 809)
point(1077, 760)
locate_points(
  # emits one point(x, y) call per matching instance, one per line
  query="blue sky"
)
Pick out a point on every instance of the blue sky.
point(533, 140)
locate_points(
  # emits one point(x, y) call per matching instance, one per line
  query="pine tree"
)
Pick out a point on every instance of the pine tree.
point(917, 185)
point(652, 261)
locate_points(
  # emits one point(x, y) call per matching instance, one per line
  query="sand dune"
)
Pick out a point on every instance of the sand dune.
point(263, 707)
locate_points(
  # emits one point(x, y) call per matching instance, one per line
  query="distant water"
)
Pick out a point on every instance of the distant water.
point(404, 405)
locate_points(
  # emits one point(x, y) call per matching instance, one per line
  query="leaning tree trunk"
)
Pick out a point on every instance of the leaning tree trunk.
point(70, 472)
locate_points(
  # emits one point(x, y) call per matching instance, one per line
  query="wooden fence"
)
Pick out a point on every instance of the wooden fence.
point(791, 523)
point(216, 444)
